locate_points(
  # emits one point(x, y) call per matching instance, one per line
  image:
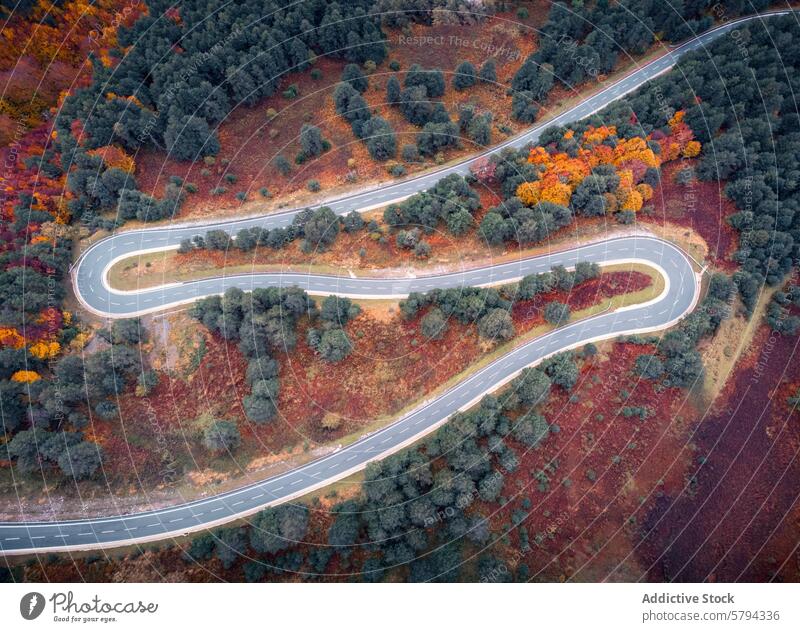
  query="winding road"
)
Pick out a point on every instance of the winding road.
point(90, 271)
point(681, 291)
point(680, 295)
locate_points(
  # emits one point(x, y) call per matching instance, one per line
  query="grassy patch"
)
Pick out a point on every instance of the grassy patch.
point(153, 269)
point(722, 354)
point(196, 356)
point(158, 268)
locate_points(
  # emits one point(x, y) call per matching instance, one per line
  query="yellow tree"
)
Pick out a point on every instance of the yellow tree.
point(557, 193)
point(645, 190)
point(633, 202)
point(692, 149)
point(529, 193)
point(25, 376)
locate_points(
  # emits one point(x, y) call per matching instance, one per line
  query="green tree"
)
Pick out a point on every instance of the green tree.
point(479, 129)
point(393, 91)
point(531, 386)
point(337, 311)
point(585, 270)
point(334, 345)
point(720, 287)
point(465, 76)
point(534, 284)
point(343, 532)
point(564, 279)
point(416, 106)
point(496, 325)
point(261, 368)
point(321, 230)
point(217, 240)
point(259, 409)
point(81, 461)
point(494, 230)
point(352, 222)
point(488, 73)
point(107, 410)
point(246, 239)
point(649, 366)
point(282, 165)
point(433, 324)
point(432, 80)
point(127, 331)
point(278, 528)
point(230, 544)
point(353, 75)
point(562, 369)
point(380, 138)
point(684, 370)
point(351, 105)
point(524, 107)
point(422, 250)
point(221, 436)
point(435, 137)
point(24, 449)
point(459, 222)
point(311, 140)
point(190, 138)
point(491, 486)
point(556, 313)
point(531, 429)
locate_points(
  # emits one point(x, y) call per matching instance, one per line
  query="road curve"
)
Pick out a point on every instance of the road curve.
point(89, 272)
point(680, 294)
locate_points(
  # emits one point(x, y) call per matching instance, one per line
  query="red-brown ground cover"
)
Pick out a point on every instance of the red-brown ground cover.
point(681, 496)
point(701, 206)
point(583, 295)
point(739, 520)
point(153, 431)
point(392, 366)
point(606, 464)
point(250, 141)
point(357, 250)
point(569, 522)
point(45, 52)
point(614, 498)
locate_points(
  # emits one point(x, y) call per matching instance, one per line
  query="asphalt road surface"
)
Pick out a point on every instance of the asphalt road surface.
point(678, 298)
point(89, 273)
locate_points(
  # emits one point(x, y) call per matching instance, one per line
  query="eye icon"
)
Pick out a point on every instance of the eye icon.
point(31, 605)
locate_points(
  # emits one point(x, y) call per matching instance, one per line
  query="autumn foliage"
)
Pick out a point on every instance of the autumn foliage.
point(10, 338)
point(44, 48)
point(25, 376)
point(115, 157)
point(45, 350)
point(561, 172)
point(692, 149)
point(27, 186)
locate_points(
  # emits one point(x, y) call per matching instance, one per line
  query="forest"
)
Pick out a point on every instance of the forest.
point(726, 113)
point(740, 105)
point(611, 161)
point(752, 146)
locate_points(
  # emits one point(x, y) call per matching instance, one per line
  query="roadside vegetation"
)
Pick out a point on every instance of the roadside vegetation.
point(276, 365)
point(274, 371)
